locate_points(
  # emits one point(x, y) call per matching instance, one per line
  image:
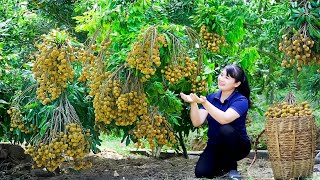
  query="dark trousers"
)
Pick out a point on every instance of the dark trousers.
point(222, 157)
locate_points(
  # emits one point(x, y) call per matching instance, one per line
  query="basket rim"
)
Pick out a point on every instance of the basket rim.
point(291, 117)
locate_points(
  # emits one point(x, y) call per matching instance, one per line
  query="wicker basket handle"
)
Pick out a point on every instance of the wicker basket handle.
point(290, 98)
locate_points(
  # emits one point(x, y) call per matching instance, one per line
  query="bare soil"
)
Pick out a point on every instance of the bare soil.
point(108, 164)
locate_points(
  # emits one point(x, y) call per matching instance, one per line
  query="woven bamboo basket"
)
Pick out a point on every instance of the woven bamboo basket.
point(291, 146)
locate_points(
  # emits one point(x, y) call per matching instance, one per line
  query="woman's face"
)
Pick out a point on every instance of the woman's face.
point(227, 83)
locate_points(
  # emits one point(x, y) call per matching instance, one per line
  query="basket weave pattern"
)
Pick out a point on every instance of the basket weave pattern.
point(291, 146)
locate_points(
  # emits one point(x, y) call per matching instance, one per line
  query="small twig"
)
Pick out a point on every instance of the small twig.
point(256, 148)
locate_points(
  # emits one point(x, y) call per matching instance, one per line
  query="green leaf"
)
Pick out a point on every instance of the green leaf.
point(248, 57)
point(313, 32)
point(127, 141)
point(315, 20)
point(213, 26)
point(125, 135)
point(43, 109)
point(44, 128)
point(173, 119)
point(207, 21)
point(308, 19)
point(3, 101)
point(295, 11)
point(30, 106)
point(159, 87)
point(17, 132)
point(209, 69)
point(300, 20)
point(42, 121)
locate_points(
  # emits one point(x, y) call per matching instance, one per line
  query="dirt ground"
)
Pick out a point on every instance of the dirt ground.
point(108, 164)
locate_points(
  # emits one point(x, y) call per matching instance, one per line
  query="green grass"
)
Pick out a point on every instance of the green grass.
point(113, 141)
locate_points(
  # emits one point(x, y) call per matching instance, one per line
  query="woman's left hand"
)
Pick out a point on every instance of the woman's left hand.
point(197, 99)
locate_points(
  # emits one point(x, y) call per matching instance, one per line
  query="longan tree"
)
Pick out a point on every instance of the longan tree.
point(55, 134)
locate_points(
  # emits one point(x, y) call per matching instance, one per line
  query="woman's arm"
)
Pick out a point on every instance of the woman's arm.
point(197, 116)
point(223, 117)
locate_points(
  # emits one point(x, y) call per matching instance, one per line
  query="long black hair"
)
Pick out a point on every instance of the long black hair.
point(238, 74)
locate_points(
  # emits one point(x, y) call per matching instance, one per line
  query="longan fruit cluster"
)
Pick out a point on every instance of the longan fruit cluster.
point(78, 146)
point(299, 49)
point(105, 44)
point(212, 41)
point(68, 146)
point(183, 68)
point(288, 110)
point(91, 64)
point(52, 68)
point(130, 106)
point(198, 84)
point(155, 129)
point(95, 84)
point(16, 120)
point(104, 102)
point(87, 58)
point(145, 55)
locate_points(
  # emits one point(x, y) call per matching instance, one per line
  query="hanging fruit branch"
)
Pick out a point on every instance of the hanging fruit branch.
point(64, 141)
point(155, 129)
point(118, 93)
point(198, 82)
point(144, 55)
point(212, 41)
point(300, 42)
point(61, 138)
point(17, 120)
point(52, 68)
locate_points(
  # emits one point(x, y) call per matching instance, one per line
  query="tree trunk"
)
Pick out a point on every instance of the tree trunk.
point(183, 146)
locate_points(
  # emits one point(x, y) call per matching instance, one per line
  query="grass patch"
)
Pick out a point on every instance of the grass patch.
point(113, 141)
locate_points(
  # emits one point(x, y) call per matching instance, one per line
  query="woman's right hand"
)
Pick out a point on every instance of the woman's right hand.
point(186, 98)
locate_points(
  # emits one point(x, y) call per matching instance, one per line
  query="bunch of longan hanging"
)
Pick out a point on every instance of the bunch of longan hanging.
point(93, 65)
point(130, 106)
point(104, 101)
point(87, 58)
point(198, 84)
point(63, 141)
point(145, 55)
point(52, 68)
point(298, 48)
point(155, 129)
point(120, 101)
point(212, 41)
point(16, 120)
point(183, 68)
point(69, 146)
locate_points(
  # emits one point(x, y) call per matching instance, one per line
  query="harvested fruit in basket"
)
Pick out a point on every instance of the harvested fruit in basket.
point(286, 109)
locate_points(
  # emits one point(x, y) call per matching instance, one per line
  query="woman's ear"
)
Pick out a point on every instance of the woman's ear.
point(237, 84)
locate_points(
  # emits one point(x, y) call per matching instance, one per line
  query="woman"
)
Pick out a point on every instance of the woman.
point(226, 113)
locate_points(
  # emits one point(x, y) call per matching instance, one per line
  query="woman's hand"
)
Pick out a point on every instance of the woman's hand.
point(197, 99)
point(186, 98)
point(193, 98)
